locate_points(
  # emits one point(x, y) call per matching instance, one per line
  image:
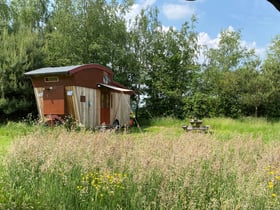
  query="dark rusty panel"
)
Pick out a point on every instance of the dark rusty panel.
point(55, 106)
point(63, 80)
point(53, 98)
point(87, 78)
point(90, 78)
point(105, 107)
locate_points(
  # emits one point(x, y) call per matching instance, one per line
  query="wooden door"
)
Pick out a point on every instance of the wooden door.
point(53, 100)
point(105, 107)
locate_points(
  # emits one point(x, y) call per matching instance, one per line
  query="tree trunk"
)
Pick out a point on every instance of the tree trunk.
point(256, 111)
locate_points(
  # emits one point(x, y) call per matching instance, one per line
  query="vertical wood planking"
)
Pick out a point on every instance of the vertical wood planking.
point(87, 108)
point(69, 99)
point(39, 100)
point(120, 107)
point(76, 104)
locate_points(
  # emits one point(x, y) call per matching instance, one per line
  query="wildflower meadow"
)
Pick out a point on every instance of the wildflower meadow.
point(159, 167)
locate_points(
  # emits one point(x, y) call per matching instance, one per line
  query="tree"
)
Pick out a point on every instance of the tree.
point(91, 32)
point(33, 35)
point(173, 70)
point(271, 69)
point(5, 14)
point(166, 63)
point(220, 78)
point(17, 55)
point(33, 14)
point(255, 87)
point(141, 31)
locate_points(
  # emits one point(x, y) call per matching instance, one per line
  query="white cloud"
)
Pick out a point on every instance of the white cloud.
point(253, 45)
point(230, 29)
point(135, 9)
point(205, 40)
point(250, 45)
point(166, 28)
point(182, 11)
point(147, 3)
point(177, 11)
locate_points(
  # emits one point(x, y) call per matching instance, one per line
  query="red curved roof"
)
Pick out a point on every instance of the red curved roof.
point(90, 66)
point(67, 69)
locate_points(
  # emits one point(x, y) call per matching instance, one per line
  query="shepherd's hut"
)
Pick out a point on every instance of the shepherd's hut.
point(87, 93)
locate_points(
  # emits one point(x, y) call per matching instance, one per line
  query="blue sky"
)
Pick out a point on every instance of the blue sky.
point(258, 20)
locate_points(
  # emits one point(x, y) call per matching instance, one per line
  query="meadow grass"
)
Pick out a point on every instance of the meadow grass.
point(13, 130)
point(246, 127)
point(162, 167)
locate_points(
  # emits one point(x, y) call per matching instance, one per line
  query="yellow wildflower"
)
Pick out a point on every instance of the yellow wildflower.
point(270, 185)
point(79, 187)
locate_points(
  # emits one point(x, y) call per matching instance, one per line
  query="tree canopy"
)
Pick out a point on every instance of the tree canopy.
point(162, 65)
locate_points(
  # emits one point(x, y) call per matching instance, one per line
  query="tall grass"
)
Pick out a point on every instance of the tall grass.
point(221, 128)
point(226, 129)
point(12, 130)
point(57, 169)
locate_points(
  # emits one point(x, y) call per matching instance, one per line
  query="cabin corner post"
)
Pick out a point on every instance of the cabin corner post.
point(38, 92)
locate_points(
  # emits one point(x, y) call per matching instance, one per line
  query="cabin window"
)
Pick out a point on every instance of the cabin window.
point(69, 92)
point(40, 94)
point(82, 98)
point(51, 79)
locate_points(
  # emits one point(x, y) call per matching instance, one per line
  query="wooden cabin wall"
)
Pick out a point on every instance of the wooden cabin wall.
point(84, 105)
point(70, 103)
point(98, 107)
point(120, 108)
point(85, 101)
point(39, 101)
point(114, 112)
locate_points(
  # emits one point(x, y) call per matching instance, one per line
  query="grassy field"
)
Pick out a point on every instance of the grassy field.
point(157, 166)
point(11, 131)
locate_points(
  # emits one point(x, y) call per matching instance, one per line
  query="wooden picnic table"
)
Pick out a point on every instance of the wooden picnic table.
point(196, 125)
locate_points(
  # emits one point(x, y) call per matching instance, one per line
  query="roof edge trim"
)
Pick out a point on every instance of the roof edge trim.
point(115, 88)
